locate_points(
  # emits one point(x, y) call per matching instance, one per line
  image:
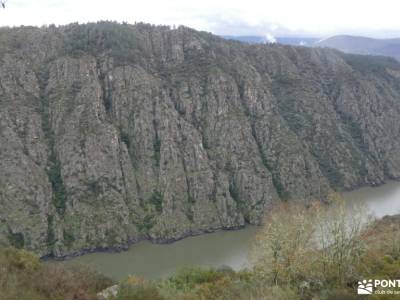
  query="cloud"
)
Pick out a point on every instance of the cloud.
point(288, 17)
point(269, 38)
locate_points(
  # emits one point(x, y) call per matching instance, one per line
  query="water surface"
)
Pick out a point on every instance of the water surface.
point(379, 201)
point(221, 248)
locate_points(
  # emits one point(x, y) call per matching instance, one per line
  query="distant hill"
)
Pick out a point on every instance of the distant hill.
point(258, 39)
point(363, 45)
point(345, 43)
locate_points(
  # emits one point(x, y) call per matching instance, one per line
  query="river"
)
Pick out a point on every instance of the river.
point(229, 248)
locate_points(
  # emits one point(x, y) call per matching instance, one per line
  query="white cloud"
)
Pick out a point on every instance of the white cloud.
point(269, 38)
point(219, 16)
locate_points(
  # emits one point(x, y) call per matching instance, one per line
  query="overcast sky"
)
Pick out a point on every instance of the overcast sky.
point(229, 17)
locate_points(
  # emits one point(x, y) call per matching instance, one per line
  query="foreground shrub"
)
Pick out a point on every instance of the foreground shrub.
point(12, 260)
point(142, 291)
point(74, 282)
point(204, 284)
point(339, 236)
point(23, 276)
point(188, 279)
point(283, 252)
point(311, 249)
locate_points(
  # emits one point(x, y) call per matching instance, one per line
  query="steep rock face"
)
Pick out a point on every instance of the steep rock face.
point(113, 133)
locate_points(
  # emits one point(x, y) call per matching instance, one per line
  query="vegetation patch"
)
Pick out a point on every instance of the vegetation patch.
point(23, 276)
point(157, 200)
point(59, 192)
point(54, 168)
point(16, 239)
point(51, 239)
point(125, 139)
point(157, 150)
point(68, 238)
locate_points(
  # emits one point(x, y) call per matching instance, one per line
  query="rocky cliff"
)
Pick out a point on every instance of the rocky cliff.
point(111, 133)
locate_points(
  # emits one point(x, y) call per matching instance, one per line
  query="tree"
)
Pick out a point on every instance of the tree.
point(283, 249)
point(309, 247)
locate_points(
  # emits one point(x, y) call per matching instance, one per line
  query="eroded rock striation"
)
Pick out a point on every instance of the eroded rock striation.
point(111, 133)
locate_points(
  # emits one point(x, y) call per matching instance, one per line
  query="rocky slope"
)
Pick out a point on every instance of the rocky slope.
point(113, 133)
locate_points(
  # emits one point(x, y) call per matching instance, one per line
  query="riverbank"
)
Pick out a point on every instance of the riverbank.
point(151, 261)
point(125, 247)
point(229, 248)
point(363, 196)
point(313, 272)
